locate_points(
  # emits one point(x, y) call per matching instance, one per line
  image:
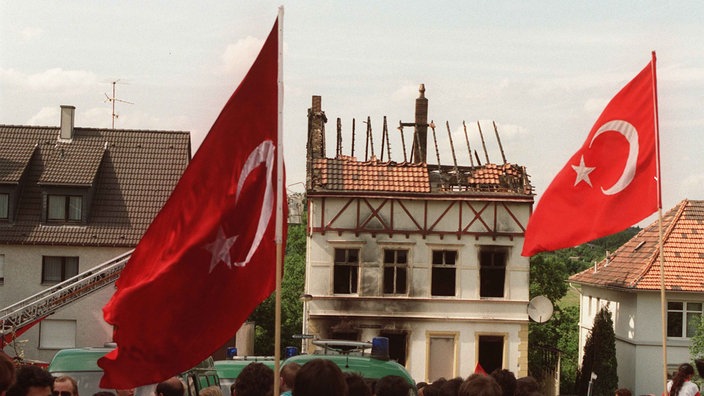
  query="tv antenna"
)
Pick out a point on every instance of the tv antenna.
point(112, 99)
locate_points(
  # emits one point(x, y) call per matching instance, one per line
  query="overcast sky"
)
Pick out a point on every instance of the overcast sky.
point(543, 71)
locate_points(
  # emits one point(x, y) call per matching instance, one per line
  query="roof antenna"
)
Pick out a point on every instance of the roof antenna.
point(112, 100)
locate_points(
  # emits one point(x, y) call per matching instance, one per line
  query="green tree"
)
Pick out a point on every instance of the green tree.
point(291, 305)
point(599, 358)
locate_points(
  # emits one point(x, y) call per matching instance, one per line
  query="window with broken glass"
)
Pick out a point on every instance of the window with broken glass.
point(346, 271)
point(444, 273)
point(492, 271)
point(395, 271)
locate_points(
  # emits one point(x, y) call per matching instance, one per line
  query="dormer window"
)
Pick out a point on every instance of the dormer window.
point(64, 208)
point(4, 206)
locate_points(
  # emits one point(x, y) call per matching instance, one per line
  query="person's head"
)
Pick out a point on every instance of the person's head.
point(319, 377)
point(103, 393)
point(288, 376)
point(170, 387)
point(213, 390)
point(356, 385)
point(685, 371)
point(65, 386)
point(391, 385)
point(506, 380)
point(451, 387)
point(32, 381)
point(526, 385)
point(623, 392)
point(256, 379)
point(482, 385)
point(7, 373)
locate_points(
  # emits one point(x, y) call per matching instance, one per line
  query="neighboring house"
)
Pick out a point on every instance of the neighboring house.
point(628, 283)
point(72, 198)
point(426, 255)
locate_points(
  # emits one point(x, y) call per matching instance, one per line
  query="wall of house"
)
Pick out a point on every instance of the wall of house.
point(23, 274)
point(418, 314)
point(638, 328)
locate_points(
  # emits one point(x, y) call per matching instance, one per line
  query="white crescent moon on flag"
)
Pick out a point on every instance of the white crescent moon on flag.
point(263, 154)
point(629, 171)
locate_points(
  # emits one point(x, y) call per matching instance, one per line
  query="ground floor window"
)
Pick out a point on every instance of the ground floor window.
point(397, 346)
point(441, 356)
point(57, 334)
point(491, 352)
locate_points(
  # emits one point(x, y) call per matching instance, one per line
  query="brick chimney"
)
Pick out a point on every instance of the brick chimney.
point(316, 136)
point(420, 136)
point(67, 122)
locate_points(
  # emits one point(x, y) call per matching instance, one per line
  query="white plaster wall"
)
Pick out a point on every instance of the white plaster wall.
point(419, 312)
point(23, 268)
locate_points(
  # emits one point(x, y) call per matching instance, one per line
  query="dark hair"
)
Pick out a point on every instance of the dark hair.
point(103, 393)
point(29, 376)
point(684, 372)
point(7, 372)
point(170, 387)
point(623, 392)
point(482, 385)
point(288, 374)
point(526, 386)
point(356, 385)
point(256, 379)
point(392, 385)
point(451, 387)
point(433, 389)
point(319, 377)
point(506, 380)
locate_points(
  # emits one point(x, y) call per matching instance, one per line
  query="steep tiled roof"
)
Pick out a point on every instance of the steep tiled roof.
point(132, 173)
point(636, 264)
point(347, 174)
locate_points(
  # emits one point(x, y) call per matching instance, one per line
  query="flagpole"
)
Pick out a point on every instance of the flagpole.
point(663, 300)
point(279, 203)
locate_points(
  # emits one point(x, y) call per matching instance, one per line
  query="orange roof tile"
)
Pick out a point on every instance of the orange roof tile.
point(636, 264)
point(347, 174)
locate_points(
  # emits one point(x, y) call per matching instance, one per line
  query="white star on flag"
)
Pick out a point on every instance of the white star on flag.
point(220, 249)
point(582, 172)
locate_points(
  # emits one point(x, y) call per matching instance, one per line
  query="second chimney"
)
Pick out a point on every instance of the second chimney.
point(67, 119)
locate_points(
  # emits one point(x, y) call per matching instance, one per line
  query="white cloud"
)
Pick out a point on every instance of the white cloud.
point(692, 186)
point(238, 57)
point(55, 79)
point(47, 116)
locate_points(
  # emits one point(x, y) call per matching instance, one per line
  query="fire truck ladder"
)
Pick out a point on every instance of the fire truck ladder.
point(19, 317)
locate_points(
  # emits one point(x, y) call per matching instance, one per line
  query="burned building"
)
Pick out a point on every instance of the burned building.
point(425, 254)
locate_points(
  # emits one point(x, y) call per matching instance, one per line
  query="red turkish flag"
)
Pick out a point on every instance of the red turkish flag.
point(611, 182)
point(209, 257)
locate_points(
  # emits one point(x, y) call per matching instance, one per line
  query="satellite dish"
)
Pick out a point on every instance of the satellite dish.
point(540, 309)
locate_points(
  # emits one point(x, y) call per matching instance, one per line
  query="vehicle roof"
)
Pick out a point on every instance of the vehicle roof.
point(232, 368)
point(367, 366)
point(78, 359)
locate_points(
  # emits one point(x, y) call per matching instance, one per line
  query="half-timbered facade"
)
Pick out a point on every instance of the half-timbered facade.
point(426, 255)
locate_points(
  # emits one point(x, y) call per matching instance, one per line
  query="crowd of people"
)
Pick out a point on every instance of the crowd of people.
point(318, 377)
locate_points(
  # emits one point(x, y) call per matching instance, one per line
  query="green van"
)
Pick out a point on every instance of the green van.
point(353, 357)
point(82, 365)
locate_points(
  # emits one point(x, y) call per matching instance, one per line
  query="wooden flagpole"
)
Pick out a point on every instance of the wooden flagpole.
point(279, 203)
point(663, 300)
